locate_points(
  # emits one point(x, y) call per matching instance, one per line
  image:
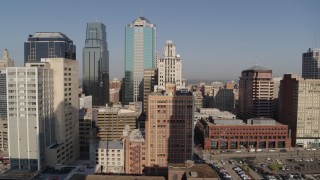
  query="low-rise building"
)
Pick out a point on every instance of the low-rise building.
point(235, 134)
point(110, 157)
point(191, 171)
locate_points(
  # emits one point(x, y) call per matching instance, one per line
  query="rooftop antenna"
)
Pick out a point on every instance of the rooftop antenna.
point(141, 13)
point(256, 62)
point(315, 40)
point(96, 19)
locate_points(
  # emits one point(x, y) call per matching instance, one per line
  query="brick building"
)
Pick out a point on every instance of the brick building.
point(234, 134)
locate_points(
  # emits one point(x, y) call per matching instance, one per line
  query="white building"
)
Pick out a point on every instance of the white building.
point(85, 101)
point(170, 67)
point(110, 157)
point(30, 115)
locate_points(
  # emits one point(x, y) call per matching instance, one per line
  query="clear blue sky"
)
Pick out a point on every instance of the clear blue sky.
point(216, 39)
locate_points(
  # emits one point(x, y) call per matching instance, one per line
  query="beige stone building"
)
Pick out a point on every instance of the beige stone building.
point(111, 122)
point(299, 108)
point(66, 110)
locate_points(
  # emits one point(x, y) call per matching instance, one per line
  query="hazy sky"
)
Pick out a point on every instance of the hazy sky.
point(216, 39)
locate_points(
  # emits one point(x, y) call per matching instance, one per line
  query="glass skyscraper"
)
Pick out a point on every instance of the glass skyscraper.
point(96, 64)
point(140, 53)
point(48, 45)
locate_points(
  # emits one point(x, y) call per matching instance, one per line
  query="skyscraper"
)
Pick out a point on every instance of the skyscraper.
point(48, 45)
point(299, 105)
point(255, 93)
point(311, 64)
point(96, 64)
point(170, 67)
point(140, 54)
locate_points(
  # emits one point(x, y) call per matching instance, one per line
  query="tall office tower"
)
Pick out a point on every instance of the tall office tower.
point(169, 127)
point(48, 45)
point(30, 116)
point(140, 54)
point(311, 64)
point(149, 81)
point(299, 106)
point(170, 67)
point(4, 63)
point(96, 64)
point(255, 93)
point(66, 110)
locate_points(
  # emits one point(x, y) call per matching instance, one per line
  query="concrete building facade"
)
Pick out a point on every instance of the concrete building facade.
point(112, 121)
point(110, 157)
point(140, 54)
point(255, 93)
point(66, 110)
point(169, 127)
point(31, 124)
point(299, 107)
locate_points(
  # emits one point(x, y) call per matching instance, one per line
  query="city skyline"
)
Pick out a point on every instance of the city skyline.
point(211, 36)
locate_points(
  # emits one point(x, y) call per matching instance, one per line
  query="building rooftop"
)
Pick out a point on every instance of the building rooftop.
point(136, 136)
point(115, 110)
point(194, 170)
point(110, 145)
point(39, 36)
point(257, 68)
point(141, 19)
point(113, 177)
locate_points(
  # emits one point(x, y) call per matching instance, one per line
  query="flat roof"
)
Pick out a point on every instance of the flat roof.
point(113, 177)
point(201, 170)
point(110, 145)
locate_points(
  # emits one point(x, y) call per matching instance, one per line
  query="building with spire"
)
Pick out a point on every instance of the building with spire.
point(96, 64)
point(170, 67)
point(48, 45)
point(140, 54)
point(255, 93)
point(311, 64)
point(5, 61)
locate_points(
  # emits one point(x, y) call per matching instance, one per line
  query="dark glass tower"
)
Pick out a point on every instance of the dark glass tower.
point(96, 64)
point(48, 45)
